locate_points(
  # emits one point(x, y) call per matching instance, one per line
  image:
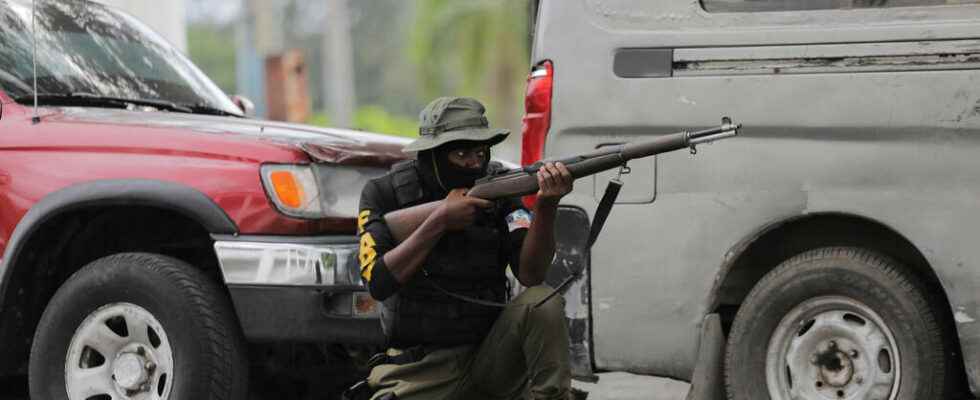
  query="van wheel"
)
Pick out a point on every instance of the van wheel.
point(138, 326)
point(836, 323)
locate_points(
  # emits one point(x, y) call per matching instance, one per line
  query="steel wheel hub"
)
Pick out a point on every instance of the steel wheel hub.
point(128, 371)
point(832, 348)
point(835, 366)
point(120, 351)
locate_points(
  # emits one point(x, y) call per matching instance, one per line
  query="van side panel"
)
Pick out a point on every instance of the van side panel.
point(898, 145)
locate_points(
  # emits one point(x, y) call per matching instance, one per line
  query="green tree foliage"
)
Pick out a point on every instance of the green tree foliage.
point(375, 119)
point(385, 76)
point(212, 47)
point(475, 48)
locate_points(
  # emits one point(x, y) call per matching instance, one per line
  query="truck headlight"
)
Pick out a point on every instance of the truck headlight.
point(293, 189)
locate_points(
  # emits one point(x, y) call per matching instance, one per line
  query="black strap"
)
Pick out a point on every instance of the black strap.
point(458, 296)
point(605, 206)
point(406, 183)
point(598, 221)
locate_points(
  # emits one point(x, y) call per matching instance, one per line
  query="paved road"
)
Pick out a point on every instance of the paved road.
point(624, 386)
point(611, 386)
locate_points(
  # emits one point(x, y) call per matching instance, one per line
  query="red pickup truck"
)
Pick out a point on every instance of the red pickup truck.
point(149, 230)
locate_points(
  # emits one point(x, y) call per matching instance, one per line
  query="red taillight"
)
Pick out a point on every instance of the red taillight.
point(537, 117)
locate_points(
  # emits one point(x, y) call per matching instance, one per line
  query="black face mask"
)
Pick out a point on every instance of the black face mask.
point(451, 176)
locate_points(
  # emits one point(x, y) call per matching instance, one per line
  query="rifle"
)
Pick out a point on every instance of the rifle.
point(524, 181)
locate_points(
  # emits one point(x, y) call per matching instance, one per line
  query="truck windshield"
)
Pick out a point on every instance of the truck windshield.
point(89, 49)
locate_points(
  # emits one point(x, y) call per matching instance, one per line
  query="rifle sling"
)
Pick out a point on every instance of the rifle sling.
point(605, 206)
point(458, 296)
point(598, 221)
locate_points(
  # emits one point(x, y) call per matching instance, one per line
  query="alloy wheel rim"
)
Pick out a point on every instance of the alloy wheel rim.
point(833, 348)
point(119, 352)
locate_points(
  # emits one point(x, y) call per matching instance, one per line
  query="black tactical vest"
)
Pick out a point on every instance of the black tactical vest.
point(469, 263)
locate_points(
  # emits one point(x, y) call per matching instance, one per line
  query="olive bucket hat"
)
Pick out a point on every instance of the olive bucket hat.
point(449, 119)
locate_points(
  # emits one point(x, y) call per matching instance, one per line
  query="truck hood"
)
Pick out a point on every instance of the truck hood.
point(328, 145)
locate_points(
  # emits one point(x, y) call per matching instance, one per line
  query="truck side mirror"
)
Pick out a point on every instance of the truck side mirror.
point(244, 104)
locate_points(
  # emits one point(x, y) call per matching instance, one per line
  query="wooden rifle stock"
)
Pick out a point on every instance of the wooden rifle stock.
point(524, 181)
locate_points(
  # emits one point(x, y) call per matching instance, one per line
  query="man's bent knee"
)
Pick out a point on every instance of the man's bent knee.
point(534, 295)
point(550, 314)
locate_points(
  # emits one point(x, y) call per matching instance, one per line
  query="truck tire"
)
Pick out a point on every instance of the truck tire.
point(836, 323)
point(140, 326)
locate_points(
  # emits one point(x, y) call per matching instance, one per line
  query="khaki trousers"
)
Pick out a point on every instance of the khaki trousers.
point(525, 355)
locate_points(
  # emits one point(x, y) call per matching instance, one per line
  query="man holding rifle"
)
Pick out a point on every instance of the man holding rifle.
point(442, 283)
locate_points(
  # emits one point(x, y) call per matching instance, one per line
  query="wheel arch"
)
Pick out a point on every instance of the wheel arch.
point(765, 248)
point(762, 250)
point(44, 247)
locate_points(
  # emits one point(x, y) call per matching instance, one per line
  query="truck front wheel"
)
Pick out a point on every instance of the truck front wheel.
point(138, 326)
point(836, 323)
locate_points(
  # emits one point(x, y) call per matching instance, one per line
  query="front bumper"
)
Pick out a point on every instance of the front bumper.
point(304, 289)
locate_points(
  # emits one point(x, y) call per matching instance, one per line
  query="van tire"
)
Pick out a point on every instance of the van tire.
point(800, 325)
point(141, 310)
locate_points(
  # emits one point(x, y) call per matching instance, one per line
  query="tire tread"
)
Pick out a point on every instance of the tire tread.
point(211, 309)
point(894, 272)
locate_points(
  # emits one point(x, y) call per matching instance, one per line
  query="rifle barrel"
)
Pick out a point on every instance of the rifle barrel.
point(680, 140)
point(524, 181)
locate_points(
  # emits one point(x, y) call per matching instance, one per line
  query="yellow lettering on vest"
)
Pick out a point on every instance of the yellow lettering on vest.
point(362, 220)
point(367, 255)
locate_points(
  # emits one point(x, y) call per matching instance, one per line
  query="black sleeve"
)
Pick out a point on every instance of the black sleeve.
point(376, 240)
point(516, 221)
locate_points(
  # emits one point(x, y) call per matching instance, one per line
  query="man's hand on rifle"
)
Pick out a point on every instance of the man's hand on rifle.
point(554, 182)
point(459, 210)
point(538, 249)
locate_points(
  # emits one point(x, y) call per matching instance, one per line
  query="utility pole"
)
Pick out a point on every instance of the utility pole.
point(338, 64)
point(249, 69)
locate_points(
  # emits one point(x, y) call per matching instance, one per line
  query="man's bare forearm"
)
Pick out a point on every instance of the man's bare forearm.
point(407, 257)
point(402, 223)
point(455, 212)
point(539, 246)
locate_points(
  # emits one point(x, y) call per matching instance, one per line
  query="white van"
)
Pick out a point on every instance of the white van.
point(832, 251)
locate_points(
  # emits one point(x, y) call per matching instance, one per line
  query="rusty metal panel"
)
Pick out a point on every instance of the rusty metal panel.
point(286, 86)
point(828, 58)
point(683, 23)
